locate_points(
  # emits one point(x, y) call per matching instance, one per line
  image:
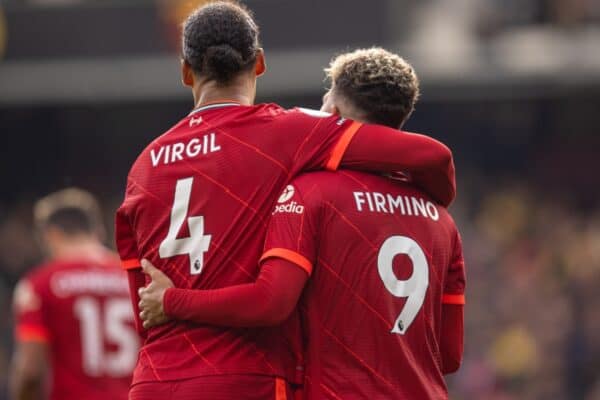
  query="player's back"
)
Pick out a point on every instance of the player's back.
point(81, 309)
point(372, 309)
point(197, 205)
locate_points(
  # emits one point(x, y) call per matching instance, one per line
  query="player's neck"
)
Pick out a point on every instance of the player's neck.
point(240, 90)
point(77, 247)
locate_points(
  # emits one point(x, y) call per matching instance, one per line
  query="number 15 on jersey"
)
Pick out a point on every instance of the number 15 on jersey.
point(194, 245)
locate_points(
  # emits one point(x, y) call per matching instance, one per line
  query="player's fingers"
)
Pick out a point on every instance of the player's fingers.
point(148, 268)
point(149, 315)
point(150, 322)
point(154, 321)
point(144, 297)
point(158, 277)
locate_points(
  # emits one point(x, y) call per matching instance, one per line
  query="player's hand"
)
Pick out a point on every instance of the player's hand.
point(151, 297)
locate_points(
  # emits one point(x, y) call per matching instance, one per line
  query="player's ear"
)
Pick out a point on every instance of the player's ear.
point(187, 75)
point(261, 65)
point(52, 239)
point(329, 105)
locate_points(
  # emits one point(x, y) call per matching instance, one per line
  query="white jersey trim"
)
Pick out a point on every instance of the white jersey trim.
point(212, 107)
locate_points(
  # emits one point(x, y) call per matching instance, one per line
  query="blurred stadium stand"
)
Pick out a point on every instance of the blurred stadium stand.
point(513, 86)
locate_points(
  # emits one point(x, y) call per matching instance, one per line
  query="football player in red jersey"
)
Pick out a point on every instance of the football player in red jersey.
point(383, 310)
point(198, 200)
point(75, 335)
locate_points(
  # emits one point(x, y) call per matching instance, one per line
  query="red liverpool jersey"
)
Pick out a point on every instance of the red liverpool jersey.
point(385, 258)
point(81, 309)
point(197, 206)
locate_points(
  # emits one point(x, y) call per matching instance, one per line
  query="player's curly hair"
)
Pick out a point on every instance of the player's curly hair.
point(220, 39)
point(379, 83)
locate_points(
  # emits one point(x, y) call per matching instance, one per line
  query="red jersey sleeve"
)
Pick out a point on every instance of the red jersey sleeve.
point(428, 162)
point(125, 239)
point(316, 140)
point(293, 227)
point(329, 142)
point(28, 305)
point(454, 287)
point(273, 297)
point(452, 338)
point(128, 252)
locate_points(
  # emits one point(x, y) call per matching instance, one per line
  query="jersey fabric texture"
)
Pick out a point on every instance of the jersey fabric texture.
point(230, 162)
point(80, 309)
point(383, 258)
point(216, 387)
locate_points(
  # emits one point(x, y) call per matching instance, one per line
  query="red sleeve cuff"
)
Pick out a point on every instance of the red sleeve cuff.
point(290, 256)
point(453, 299)
point(340, 148)
point(32, 333)
point(169, 298)
point(132, 263)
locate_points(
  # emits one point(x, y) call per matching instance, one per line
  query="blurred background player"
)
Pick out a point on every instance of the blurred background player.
point(383, 312)
point(74, 331)
point(199, 196)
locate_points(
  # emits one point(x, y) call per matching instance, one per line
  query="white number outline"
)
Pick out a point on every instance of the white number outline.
point(110, 326)
point(194, 245)
point(414, 288)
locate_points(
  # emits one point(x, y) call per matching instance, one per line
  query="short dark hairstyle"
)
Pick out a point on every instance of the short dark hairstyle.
point(220, 40)
point(73, 211)
point(379, 83)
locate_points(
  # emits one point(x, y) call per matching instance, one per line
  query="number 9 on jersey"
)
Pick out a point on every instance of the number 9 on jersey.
point(414, 288)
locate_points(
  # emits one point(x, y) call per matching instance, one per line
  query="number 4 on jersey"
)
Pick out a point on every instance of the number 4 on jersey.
point(197, 243)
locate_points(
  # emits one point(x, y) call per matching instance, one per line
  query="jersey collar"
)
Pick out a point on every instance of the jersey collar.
point(214, 105)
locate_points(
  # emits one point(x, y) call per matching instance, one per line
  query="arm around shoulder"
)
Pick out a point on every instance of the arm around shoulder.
point(430, 162)
point(268, 301)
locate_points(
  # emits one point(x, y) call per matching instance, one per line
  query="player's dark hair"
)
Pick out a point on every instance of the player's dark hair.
point(379, 83)
point(220, 40)
point(73, 211)
point(71, 221)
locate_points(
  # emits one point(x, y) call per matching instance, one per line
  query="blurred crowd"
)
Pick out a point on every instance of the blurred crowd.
point(511, 11)
point(519, 36)
point(533, 272)
point(488, 15)
point(531, 318)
